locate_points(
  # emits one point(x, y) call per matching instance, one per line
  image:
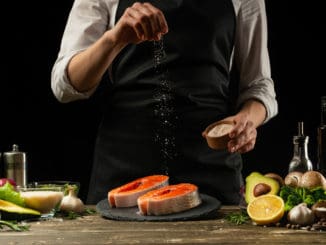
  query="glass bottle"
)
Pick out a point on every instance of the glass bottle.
point(300, 161)
point(321, 138)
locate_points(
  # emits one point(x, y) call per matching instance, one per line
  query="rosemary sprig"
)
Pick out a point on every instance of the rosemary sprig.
point(74, 215)
point(238, 217)
point(14, 225)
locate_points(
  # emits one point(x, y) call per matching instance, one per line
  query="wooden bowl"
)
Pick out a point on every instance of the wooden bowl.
point(217, 134)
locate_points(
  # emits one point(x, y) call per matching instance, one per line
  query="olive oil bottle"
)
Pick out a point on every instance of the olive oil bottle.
point(321, 138)
point(300, 161)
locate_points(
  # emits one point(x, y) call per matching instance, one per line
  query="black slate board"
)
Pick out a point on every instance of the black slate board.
point(207, 209)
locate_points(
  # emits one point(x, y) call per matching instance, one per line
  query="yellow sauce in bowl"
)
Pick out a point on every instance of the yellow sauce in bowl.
point(45, 201)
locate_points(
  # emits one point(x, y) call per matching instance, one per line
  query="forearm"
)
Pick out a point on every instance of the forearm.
point(140, 22)
point(254, 111)
point(86, 69)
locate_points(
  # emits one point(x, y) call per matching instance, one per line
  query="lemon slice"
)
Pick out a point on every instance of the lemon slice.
point(266, 209)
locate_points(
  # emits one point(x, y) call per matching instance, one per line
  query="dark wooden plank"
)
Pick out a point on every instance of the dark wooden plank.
point(97, 230)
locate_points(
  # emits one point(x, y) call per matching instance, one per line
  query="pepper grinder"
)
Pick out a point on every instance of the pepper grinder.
point(300, 161)
point(15, 165)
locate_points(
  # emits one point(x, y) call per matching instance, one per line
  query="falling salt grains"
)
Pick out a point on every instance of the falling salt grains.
point(164, 109)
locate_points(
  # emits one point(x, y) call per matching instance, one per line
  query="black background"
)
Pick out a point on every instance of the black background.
point(58, 138)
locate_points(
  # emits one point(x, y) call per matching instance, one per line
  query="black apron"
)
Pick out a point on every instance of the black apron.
point(157, 109)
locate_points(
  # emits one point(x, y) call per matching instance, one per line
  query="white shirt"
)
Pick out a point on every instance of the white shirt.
point(89, 19)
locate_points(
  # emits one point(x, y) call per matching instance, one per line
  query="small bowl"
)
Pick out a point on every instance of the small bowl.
point(46, 200)
point(217, 134)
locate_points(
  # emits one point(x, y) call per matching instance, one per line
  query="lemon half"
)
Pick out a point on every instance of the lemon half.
point(266, 209)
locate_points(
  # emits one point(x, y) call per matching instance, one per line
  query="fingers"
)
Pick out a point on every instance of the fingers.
point(243, 138)
point(160, 25)
point(247, 147)
point(147, 21)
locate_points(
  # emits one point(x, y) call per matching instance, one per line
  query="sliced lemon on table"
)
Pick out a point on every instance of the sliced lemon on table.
point(266, 209)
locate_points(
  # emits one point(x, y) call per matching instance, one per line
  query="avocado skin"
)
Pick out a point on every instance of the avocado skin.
point(11, 211)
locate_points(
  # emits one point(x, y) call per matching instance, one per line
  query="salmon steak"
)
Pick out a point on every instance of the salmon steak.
point(169, 199)
point(127, 194)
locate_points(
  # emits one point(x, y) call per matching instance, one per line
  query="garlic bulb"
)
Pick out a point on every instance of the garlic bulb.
point(301, 215)
point(71, 202)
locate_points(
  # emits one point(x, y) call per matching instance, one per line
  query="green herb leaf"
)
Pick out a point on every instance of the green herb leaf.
point(74, 215)
point(13, 225)
point(238, 217)
point(293, 196)
point(90, 211)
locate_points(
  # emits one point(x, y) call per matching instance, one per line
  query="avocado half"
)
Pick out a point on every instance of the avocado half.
point(11, 211)
point(258, 184)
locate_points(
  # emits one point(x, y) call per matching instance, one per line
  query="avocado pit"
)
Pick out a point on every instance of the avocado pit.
point(261, 189)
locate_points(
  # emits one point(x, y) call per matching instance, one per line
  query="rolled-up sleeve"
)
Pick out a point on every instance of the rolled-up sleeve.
point(87, 22)
point(251, 57)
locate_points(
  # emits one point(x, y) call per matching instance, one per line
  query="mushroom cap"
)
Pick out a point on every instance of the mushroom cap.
point(312, 179)
point(293, 178)
point(276, 177)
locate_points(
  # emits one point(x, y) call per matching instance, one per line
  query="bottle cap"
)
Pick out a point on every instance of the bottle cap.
point(13, 154)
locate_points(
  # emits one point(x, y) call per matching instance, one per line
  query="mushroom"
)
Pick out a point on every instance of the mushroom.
point(293, 179)
point(277, 177)
point(311, 179)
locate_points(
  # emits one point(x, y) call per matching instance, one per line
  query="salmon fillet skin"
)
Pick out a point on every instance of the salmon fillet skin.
point(169, 199)
point(127, 194)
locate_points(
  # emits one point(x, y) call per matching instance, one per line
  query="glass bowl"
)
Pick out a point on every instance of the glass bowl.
point(56, 183)
point(46, 200)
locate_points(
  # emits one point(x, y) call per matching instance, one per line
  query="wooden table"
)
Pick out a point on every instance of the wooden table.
point(95, 229)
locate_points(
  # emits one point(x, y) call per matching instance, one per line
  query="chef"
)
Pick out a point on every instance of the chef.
point(169, 66)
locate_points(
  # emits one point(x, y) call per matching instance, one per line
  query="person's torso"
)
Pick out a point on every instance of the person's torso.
point(157, 109)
